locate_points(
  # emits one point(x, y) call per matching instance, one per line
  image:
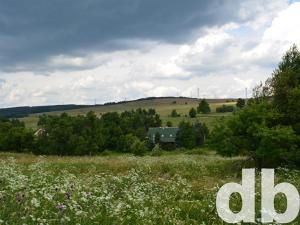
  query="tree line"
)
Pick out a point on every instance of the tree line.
point(89, 134)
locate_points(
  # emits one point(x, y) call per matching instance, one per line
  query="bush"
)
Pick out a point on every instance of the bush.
point(196, 151)
point(225, 108)
point(220, 139)
point(192, 113)
point(277, 144)
point(126, 142)
point(156, 151)
point(138, 148)
point(174, 113)
point(240, 103)
point(169, 124)
point(105, 153)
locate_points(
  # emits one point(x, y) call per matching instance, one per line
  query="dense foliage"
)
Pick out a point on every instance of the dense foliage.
point(268, 128)
point(191, 135)
point(240, 103)
point(225, 108)
point(81, 135)
point(14, 136)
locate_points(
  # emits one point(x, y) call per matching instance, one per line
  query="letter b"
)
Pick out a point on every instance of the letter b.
point(269, 192)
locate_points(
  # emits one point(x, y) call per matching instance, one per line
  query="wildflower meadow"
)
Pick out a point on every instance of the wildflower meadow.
point(118, 189)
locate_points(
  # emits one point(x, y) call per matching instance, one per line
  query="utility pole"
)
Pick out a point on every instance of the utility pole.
point(246, 93)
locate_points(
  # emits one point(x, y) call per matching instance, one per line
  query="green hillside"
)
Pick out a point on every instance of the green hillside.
point(163, 106)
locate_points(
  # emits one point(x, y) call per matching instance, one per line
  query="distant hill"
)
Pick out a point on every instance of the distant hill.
point(25, 111)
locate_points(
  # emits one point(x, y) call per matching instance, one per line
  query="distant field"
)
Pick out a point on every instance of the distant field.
point(163, 106)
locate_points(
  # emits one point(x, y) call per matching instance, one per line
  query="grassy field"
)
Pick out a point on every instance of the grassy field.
point(163, 106)
point(175, 188)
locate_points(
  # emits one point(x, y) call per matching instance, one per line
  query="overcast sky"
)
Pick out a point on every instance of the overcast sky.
point(74, 51)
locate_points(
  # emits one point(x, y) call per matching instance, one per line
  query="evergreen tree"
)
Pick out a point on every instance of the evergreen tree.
point(203, 107)
point(192, 113)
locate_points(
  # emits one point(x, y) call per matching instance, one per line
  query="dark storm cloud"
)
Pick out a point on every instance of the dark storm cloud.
point(33, 30)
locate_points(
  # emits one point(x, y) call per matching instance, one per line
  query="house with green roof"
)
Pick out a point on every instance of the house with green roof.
point(166, 134)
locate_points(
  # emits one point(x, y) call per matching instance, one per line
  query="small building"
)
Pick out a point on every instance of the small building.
point(166, 134)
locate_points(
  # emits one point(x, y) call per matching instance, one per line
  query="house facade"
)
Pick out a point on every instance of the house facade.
point(166, 134)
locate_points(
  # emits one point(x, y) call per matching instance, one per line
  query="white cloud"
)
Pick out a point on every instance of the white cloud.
point(140, 86)
point(164, 91)
point(62, 60)
point(244, 83)
point(263, 10)
point(207, 54)
point(282, 33)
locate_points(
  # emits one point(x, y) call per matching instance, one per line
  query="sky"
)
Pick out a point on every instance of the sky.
point(79, 52)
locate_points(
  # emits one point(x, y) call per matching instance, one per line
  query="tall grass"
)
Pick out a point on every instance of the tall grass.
point(118, 189)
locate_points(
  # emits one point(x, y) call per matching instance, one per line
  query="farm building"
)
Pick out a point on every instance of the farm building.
point(166, 134)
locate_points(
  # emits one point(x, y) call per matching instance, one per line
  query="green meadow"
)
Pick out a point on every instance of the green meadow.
point(174, 188)
point(163, 106)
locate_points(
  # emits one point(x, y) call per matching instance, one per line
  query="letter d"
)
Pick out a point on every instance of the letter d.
point(269, 192)
point(247, 192)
